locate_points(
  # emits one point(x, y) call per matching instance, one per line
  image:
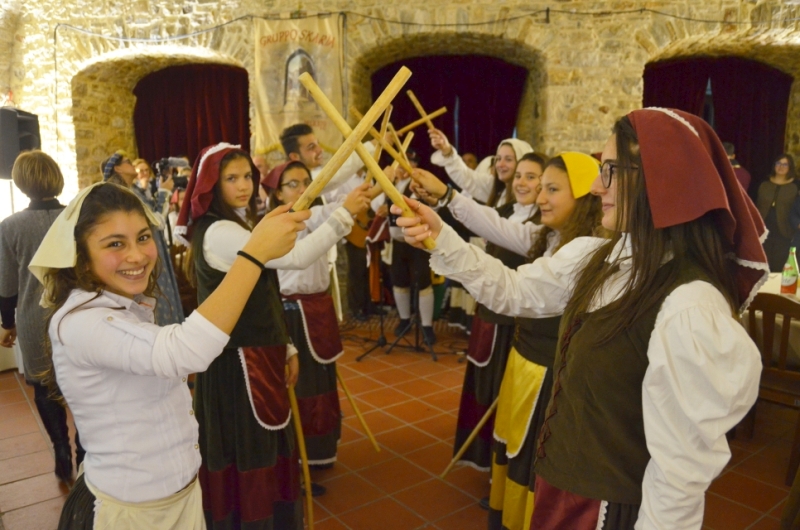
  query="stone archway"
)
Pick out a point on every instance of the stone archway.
point(103, 102)
point(392, 49)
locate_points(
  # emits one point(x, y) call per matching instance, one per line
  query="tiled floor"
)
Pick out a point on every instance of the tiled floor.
point(410, 403)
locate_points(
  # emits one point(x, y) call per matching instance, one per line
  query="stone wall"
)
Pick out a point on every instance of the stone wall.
point(586, 69)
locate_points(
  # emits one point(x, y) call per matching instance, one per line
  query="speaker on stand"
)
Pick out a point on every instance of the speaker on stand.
point(19, 131)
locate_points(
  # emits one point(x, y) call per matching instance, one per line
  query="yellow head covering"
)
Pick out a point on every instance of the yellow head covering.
point(58, 249)
point(582, 170)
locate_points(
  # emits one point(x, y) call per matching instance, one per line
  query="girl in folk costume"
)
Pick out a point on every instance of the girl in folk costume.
point(491, 334)
point(568, 211)
point(311, 317)
point(652, 367)
point(250, 472)
point(489, 187)
point(124, 377)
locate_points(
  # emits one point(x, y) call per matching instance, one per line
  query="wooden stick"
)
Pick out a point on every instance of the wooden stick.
point(354, 137)
point(358, 412)
point(397, 141)
point(413, 124)
point(404, 148)
point(301, 442)
point(471, 438)
point(388, 188)
point(422, 113)
point(379, 148)
point(386, 145)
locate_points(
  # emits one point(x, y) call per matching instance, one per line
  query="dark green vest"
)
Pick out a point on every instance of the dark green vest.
point(536, 339)
point(593, 442)
point(262, 322)
point(511, 260)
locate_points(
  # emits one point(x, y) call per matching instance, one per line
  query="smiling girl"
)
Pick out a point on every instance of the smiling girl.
point(123, 377)
point(250, 464)
point(652, 368)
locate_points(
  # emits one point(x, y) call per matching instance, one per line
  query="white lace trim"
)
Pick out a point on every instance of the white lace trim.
point(601, 515)
point(673, 114)
point(473, 465)
point(308, 340)
point(491, 352)
point(330, 460)
point(216, 149)
point(763, 237)
point(178, 234)
point(253, 405)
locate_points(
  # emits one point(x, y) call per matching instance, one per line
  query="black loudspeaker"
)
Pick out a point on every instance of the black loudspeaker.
point(19, 131)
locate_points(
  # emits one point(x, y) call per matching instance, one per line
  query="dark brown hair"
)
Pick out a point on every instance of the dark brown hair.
point(218, 208)
point(583, 221)
point(102, 201)
point(696, 244)
point(37, 175)
point(792, 174)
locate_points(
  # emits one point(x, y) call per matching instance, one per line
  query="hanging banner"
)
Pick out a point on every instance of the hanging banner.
point(285, 49)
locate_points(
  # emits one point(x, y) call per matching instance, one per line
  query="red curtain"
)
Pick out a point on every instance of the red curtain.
point(751, 100)
point(182, 109)
point(677, 84)
point(489, 92)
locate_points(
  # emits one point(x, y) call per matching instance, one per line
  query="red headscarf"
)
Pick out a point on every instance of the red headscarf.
point(687, 174)
point(273, 178)
point(200, 190)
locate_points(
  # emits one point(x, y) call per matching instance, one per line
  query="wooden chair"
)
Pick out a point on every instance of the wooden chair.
point(779, 383)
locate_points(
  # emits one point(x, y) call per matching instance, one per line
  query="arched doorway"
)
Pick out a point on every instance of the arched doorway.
point(482, 95)
point(749, 102)
point(181, 109)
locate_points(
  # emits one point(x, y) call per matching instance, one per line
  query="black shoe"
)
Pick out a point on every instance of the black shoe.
point(361, 317)
point(63, 463)
point(402, 327)
point(317, 490)
point(484, 503)
point(428, 336)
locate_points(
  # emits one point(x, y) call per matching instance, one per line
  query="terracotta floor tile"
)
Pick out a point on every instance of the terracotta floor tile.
point(393, 377)
point(43, 515)
point(394, 475)
point(747, 491)
point(347, 408)
point(778, 510)
point(412, 411)
point(400, 358)
point(7, 374)
point(419, 387)
point(18, 426)
point(442, 426)
point(446, 400)
point(349, 434)
point(370, 365)
point(405, 440)
point(361, 454)
point(14, 395)
point(22, 445)
point(377, 421)
point(386, 514)
point(767, 523)
point(433, 458)
point(348, 492)
point(766, 467)
point(471, 481)
point(15, 410)
point(362, 383)
point(449, 379)
point(30, 465)
point(9, 383)
point(346, 372)
point(30, 491)
point(723, 514)
point(434, 499)
point(384, 397)
point(473, 517)
point(330, 523)
point(321, 476)
point(425, 367)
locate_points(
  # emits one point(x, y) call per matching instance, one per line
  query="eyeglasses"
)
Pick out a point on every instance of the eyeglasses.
point(608, 169)
point(782, 164)
point(294, 184)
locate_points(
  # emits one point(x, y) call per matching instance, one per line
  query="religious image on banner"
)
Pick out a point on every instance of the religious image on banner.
point(286, 49)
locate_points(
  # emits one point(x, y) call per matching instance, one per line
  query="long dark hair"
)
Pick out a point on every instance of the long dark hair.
point(696, 244)
point(218, 208)
point(102, 201)
point(583, 221)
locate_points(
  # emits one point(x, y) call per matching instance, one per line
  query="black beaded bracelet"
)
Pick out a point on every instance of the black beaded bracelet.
point(247, 256)
point(447, 197)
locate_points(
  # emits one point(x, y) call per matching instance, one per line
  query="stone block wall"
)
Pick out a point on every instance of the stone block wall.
point(586, 69)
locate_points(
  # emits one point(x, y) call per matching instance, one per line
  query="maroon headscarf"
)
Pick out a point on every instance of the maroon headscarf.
point(273, 178)
point(688, 174)
point(200, 190)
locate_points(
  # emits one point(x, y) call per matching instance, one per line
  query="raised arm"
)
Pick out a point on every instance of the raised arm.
point(477, 184)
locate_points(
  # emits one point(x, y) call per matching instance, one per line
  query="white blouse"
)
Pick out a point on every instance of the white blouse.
point(512, 233)
point(124, 379)
point(477, 184)
point(702, 377)
point(225, 238)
